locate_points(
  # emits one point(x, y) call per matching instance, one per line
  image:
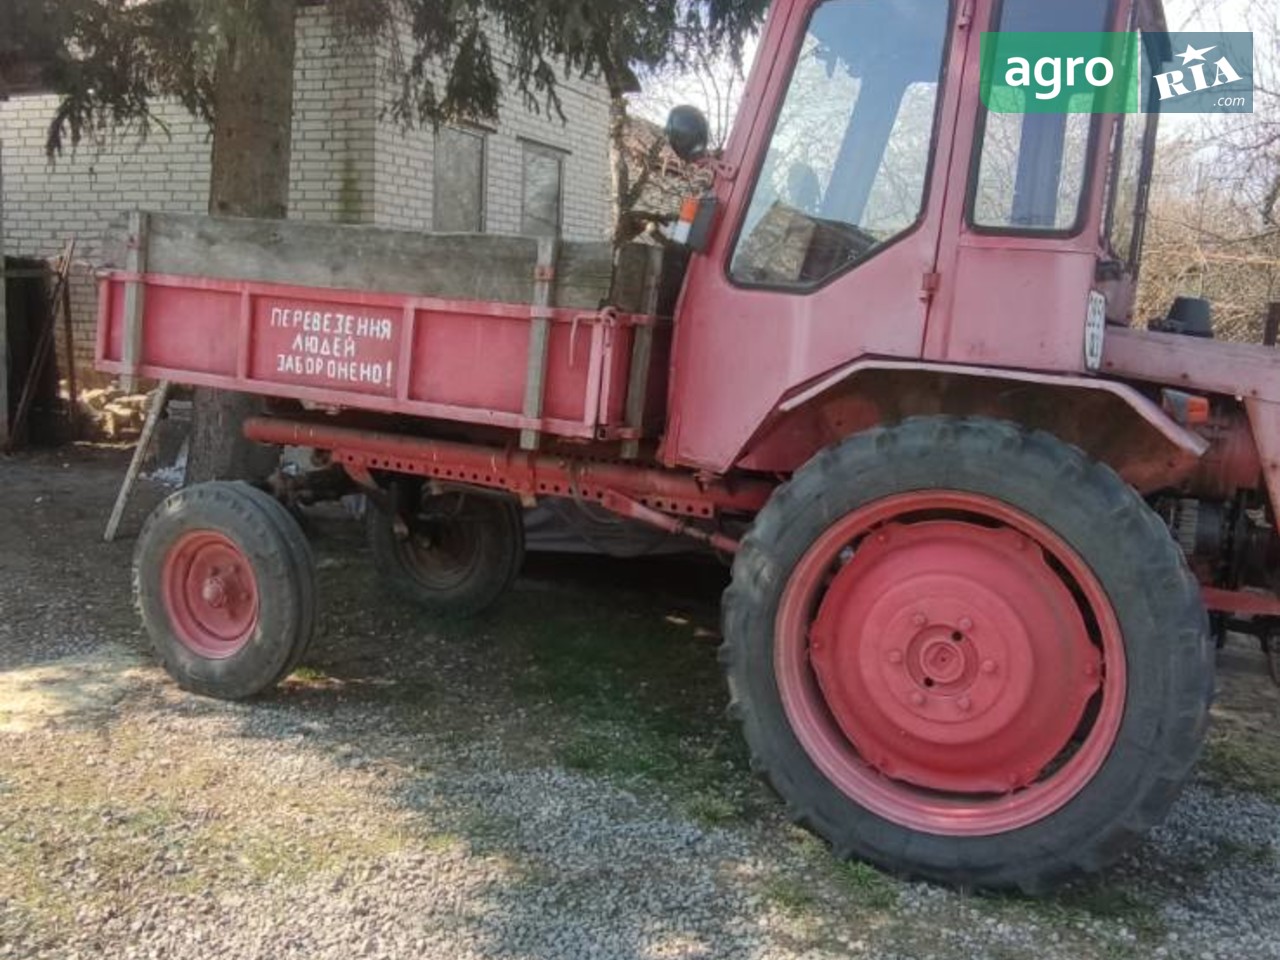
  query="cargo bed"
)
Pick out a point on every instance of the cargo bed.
point(426, 325)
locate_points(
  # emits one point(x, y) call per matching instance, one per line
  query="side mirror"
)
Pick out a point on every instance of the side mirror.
point(688, 133)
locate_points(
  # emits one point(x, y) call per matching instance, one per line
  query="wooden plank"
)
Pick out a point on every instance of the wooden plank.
point(158, 403)
point(642, 353)
point(135, 261)
point(630, 275)
point(69, 342)
point(356, 257)
point(535, 384)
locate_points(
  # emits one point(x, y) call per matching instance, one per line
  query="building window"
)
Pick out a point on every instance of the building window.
point(543, 189)
point(459, 181)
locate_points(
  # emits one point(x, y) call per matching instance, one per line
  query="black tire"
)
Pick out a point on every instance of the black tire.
point(1156, 601)
point(282, 571)
point(462, 552)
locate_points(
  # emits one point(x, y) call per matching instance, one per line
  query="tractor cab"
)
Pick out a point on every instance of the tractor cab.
point(870, 204)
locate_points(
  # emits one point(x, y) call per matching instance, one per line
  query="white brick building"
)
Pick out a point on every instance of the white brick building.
point(351, 163)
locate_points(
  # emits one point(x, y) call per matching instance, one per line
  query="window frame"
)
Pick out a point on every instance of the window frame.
point(527, 147)
point(481, 135)
point(1142, 20)
point(1142, 195)
point(980, 140)
point(814, 286)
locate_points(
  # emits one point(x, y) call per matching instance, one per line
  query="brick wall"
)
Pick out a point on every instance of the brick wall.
point(333, 153)
point(584, 139)
point(350, 163)
point(46, 203)
point(405, 167)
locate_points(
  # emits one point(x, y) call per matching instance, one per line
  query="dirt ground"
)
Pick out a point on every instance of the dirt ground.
point(556, 780)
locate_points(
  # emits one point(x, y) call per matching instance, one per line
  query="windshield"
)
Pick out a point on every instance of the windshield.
point(849, 156)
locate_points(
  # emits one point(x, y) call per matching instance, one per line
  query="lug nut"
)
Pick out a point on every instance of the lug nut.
point(988, 666)
point(895, 656)
point(919, 619)
point(965, 704)
point(965, 624)
point(918, 699)
point(214, 592)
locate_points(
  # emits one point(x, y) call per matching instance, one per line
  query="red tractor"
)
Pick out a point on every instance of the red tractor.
point(984, 528)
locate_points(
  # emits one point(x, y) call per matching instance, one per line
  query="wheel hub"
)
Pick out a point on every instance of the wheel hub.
point(211, 594)
point(215, 592)
point(441, 548)
point(953, 656)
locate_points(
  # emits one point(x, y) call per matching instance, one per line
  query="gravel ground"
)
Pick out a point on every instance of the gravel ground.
point(553, 781)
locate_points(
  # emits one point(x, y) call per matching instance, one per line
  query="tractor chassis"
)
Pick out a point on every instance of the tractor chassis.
point(681, 503)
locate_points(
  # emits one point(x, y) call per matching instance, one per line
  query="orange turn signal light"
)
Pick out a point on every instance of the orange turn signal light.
point(1186, 408)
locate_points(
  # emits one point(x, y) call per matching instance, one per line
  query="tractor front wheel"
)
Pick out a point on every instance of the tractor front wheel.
point(965, 652)
point(225, 584)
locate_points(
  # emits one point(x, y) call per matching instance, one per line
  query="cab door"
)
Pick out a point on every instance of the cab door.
point(1022, 230)
point(831, 195)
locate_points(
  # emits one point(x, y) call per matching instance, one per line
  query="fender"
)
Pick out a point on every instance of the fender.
point(1111, 421)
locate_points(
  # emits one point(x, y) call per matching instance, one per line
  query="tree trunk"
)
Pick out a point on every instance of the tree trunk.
point(620, 175)
point(253, 120)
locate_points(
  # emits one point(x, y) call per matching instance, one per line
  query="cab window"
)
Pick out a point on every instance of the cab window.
point(1135, 139)
point(848, 161)
point(1032, 168)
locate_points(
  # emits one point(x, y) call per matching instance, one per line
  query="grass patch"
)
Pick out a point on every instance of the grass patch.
point(28, 883)
point(1237, 761)
point(816, 884)
point(1086, 904)
point(638, 695)
point(864, 884)
point(309, 675)
point(1253, 855)
point(1229, 853)
point(1103, 901)
point(616, 748)
point(173, 816)
point(791, 895)
point(712, 809)
point(273, 854)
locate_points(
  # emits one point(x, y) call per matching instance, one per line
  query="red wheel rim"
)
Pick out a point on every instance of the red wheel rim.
point(950, 663)
point(210, 594)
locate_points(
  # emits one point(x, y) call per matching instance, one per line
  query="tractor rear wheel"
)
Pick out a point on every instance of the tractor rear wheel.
point(965, 652)
point(454, 555)
point(224, 582)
